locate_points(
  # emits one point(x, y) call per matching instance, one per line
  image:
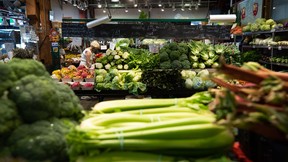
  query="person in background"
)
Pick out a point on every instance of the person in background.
point(22, 53)
point(88, 54)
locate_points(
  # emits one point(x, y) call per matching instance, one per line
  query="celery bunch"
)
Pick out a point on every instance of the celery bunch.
point(172, 128)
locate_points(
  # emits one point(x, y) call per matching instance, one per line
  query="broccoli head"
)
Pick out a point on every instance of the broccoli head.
point(36, 97)
point(183, 48)
point(174, 55)
point(163, 56)
point(165, 65)
point(176, 64)
point(7, 79)
point(173, 46)
point(186, 64)
point(9, 118)
point(39, 98)
point(24, 67)
point(41, 141)
point(69, 106)
point(183, 57)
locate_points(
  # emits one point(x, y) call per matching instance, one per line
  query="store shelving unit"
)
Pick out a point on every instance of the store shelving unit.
point(269, 50)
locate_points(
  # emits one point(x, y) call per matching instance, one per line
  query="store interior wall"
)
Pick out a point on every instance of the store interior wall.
point(69, 11)
point(156, 13)
point(280, 10)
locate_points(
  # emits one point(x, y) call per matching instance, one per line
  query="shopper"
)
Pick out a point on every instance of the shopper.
point(88, 54)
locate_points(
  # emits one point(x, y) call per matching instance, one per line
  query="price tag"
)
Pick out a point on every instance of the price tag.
point(279, 48)
point(232, 36)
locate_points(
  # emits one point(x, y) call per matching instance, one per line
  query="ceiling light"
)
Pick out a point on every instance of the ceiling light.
point(274, 8)
point(104, 11)
point(139, 9)
point(162, 9)
point(196, 7)
point(74, 4)
point(199, 2)
point(114, 0)
point(182, 9)
point(4, 22)
point(135, 5)
point(160, 5)
point(99, 5)
point(126, 9)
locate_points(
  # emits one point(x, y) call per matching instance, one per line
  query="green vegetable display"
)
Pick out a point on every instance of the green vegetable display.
point(261, 24)
point(204, 56)
point(162, 79)
point(145, 126)
point(197, 81)
point(36, 113)
point(114, 79)
point(174, 56)
point(113, 59)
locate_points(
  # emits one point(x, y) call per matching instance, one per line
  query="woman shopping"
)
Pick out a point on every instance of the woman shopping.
point(88, 53)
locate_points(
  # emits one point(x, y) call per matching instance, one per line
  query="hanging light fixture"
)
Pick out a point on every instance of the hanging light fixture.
point(74, 3)
point(139, 10)
point(126, 9)
point(4, 21)
point(162, 9)
point(135, 3)
point(173, 7)
point(99, 5)
point(104, 10)
point(160, 4)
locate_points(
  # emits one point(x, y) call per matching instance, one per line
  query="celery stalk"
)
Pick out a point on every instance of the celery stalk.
point(179, 132)
point(162, 124)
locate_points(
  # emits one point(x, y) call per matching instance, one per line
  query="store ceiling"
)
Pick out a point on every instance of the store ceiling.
point(155, 3)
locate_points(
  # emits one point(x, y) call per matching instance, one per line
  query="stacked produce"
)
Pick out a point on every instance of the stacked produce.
point(142, 59)
point(259, 105)
point(73, 73)
point(232, 54)
point(113, 59)
point(281, 60)
point(114, 79)
point(197, 80)
point(162, 79)
point(174, 56)
point(175, 129)
point(36, 113)
point(261, 24)
point(251, 55)
point(203, 55)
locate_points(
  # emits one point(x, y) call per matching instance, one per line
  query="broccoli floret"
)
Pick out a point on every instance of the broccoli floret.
point(176, 64)
point(165, 65)
point(183, 48)
point(41, 141)
point(24, 67)
point(164, 56)
point(7, 78)
point(69, 106)
point(39, 98)
point(35, 97)
point(9, 118)
point(173, 46)
point(186, 64)
point(183, 57)
point(174, 55)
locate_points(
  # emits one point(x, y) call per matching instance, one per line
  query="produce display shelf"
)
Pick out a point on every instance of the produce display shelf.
point(257, 46)
point(266, 32)
point(266, 46)
point(154, 93)
point(273, 63)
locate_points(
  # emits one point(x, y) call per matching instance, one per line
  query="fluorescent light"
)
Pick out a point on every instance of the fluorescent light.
point(99, 21)
point(114, 0)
